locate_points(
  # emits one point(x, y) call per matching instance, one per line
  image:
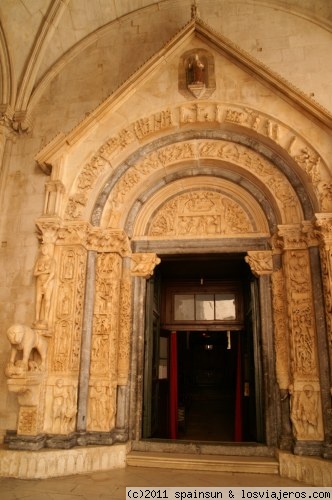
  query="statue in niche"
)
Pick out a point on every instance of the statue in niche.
point(195, 73)
point(24, 339)
point(45, 274)
point(64, 407)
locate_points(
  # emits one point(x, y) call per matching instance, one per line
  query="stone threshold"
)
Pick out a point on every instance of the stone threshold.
point(196, 462)
point(204, 448)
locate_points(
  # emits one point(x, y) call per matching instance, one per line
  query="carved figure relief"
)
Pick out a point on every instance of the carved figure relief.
point(45, 274)
point(200, 213)
point(101, 412)
point(302, 314)
point(106, 315)
point(143, 264)
point(305, 413)
point(260, 262)
point(69, 296)
point(324, 223)
point(64, 407)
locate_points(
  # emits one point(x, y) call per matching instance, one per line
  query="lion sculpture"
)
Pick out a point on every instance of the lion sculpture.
point(24, 339)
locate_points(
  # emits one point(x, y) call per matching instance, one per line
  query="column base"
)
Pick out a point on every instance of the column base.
point(308, 448)
point(65, 442)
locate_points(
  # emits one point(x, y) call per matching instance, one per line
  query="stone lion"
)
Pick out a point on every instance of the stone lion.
point(25, 339)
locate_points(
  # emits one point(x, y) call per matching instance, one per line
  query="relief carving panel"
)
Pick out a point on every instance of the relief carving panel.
point(306, 408)
point(200, 213)
point(104, 349)
point(66, 339)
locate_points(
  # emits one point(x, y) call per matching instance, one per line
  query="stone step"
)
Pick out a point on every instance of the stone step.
point(242, 464)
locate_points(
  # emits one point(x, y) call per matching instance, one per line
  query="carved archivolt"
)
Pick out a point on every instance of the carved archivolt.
point(268, 177)
point(103, 163)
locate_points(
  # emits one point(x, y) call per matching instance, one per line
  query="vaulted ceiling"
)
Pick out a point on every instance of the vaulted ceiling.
point(39, 37)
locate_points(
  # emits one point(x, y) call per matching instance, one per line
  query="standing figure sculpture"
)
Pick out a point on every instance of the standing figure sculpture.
point(45, 273)
point(196, 71)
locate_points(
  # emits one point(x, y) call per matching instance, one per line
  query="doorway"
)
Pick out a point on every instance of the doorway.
point(202, 362)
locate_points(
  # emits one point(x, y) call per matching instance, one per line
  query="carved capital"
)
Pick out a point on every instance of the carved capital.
point(108, 240)
point(292, 237)
point(143, 264)
point(48, 228)
point(22, 122)
point(73, 233)
point(260, 262)
point(310, 234)
point(323, 223)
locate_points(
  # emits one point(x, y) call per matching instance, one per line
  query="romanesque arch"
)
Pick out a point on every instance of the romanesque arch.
point(206, 176)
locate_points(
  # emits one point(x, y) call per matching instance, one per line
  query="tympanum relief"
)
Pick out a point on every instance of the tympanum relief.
point(200, 213)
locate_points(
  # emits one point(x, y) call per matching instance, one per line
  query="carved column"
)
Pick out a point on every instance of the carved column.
point(306, 404)
point(282, 347)
point(324, 224)
point(65, 328)
point(261, 264)
point(143, 265)
point(125, 323)
point(103, 376)
point(110, 295)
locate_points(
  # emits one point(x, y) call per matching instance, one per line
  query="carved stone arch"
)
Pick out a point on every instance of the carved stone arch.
point(276, 187)
point(293, 155)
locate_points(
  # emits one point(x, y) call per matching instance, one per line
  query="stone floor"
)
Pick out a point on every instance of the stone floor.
point(112, 484)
